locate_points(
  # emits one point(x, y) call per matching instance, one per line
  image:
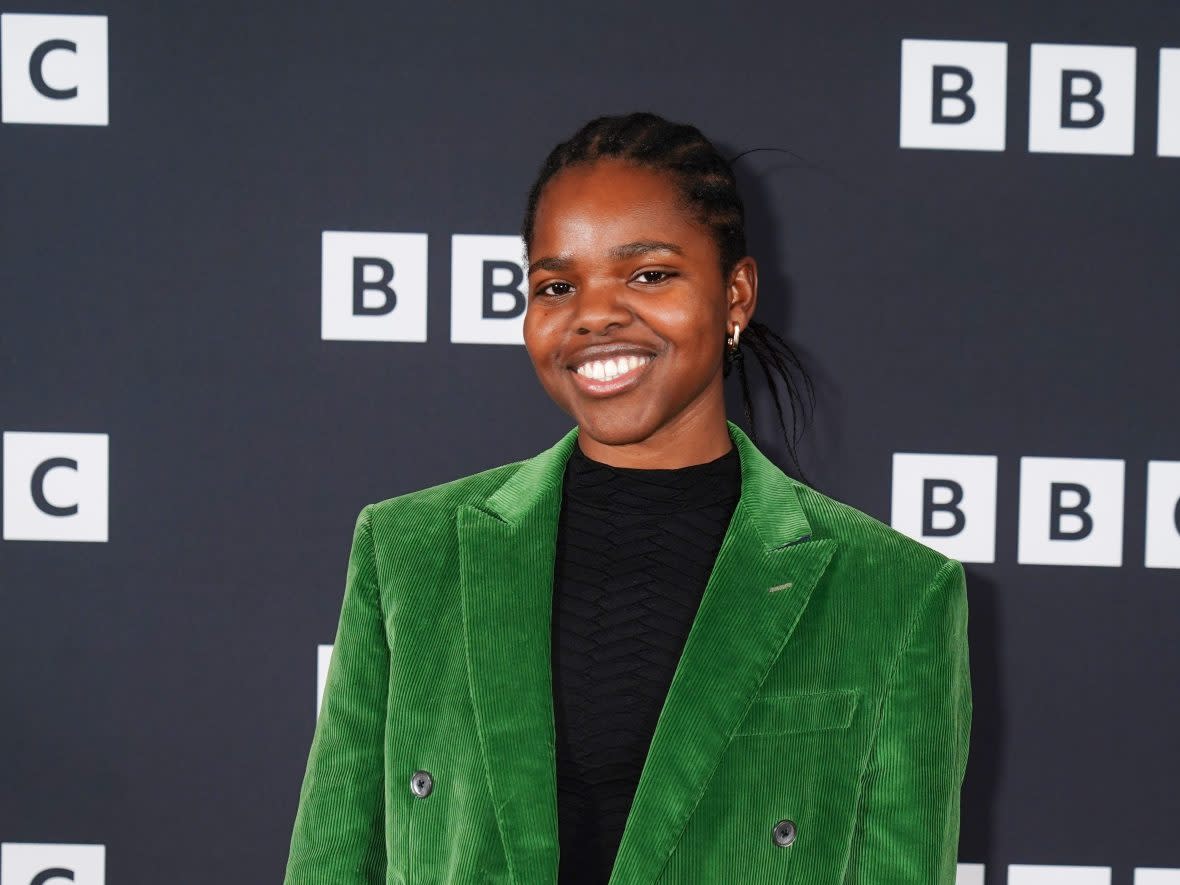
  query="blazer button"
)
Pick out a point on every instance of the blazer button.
point(421, 784)
point(784, 833)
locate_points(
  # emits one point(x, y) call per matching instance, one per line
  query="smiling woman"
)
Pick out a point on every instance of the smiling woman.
point(623, 271)
point(635, 224)
point(645, 654)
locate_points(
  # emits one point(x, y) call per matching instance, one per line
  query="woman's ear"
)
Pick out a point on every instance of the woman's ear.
point(742, 292)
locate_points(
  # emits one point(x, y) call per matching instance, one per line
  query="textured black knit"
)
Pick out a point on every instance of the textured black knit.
point(635, 548)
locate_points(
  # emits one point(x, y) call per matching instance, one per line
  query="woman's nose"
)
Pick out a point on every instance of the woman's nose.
point(601, 306)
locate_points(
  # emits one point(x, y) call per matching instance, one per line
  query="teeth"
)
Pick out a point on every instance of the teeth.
point(607, 370)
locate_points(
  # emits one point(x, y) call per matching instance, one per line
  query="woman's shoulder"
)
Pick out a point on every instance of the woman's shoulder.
point(881, 569)
point(524, 476)
point(448, 495)
point(867, 538)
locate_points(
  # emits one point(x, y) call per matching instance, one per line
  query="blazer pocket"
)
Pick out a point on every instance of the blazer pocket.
point(801, 712)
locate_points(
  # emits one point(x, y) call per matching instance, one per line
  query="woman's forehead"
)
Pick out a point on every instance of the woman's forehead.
point(608, 181)
point(610, 203)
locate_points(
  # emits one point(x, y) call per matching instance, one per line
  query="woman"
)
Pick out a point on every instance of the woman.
point(645, 654)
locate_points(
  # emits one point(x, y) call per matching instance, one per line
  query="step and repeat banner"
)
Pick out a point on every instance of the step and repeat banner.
point(260, 266)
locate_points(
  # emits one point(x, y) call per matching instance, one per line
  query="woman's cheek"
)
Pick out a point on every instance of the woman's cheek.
point(538, 336)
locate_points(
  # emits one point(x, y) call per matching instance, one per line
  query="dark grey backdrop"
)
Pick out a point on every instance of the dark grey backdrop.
point(160, 281)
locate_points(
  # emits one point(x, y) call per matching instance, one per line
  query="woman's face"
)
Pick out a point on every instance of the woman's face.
point(628, 311)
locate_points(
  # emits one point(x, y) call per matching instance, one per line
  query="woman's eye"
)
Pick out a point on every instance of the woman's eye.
point(555, 289)
point(653, 276)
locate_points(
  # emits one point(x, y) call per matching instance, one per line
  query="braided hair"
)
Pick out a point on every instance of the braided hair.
point(707, 184)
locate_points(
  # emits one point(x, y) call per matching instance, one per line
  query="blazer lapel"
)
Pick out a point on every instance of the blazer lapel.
point(761, 582)
point(506, 556)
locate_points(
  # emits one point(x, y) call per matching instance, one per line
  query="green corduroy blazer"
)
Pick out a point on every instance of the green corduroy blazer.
point(825, 681)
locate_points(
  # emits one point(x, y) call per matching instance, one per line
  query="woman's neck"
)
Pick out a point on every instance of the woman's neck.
point(697, 440)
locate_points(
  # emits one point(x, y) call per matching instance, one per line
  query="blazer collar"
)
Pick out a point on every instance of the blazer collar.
point(768, 495)
point(761, 581)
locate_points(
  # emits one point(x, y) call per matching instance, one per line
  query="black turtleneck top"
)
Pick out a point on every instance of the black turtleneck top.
point(635, 548)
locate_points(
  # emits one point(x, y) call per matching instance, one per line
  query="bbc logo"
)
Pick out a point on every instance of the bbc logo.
point(1047, 874)
point(53, 69)
point(56, 486)
point(1081, 98)
point(374, 287)
point(22, 863)
point(1070, 509)
point(323, 663)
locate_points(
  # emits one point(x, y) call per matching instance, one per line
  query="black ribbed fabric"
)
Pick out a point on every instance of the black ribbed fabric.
point(634, 551)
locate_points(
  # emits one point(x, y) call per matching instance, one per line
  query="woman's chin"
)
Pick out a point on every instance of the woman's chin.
point(617, 427)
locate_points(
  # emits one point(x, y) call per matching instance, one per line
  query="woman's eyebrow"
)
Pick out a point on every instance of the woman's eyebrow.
point(642, 247)
point(553, 264)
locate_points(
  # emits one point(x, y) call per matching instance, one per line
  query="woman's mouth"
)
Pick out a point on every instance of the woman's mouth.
point(610, 376)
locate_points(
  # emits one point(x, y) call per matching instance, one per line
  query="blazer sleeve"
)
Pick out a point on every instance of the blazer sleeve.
point(339, 833)
point(907, 828)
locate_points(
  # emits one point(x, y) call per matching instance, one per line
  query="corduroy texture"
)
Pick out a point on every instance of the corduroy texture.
point(634, 551)
point(825, 680)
